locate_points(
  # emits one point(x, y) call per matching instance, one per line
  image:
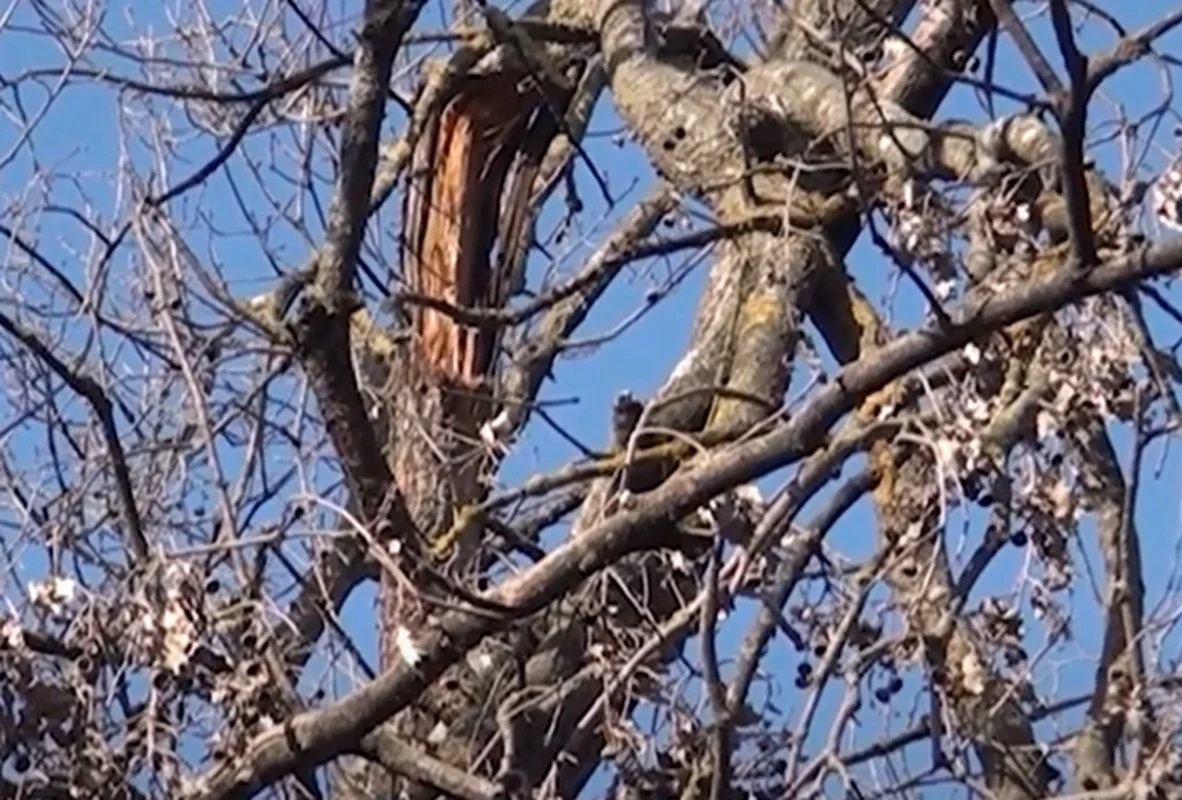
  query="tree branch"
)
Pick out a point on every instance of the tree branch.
point(88, 388)
point(317, 736)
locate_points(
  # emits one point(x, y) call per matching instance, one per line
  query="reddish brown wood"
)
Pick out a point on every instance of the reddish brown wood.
point(451, 219)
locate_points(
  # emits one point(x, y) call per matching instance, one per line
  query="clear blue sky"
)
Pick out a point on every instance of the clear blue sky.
point(78, 139)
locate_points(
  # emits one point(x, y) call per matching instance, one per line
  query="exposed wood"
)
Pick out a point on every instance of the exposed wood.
point(466, 227)
point(451, 216)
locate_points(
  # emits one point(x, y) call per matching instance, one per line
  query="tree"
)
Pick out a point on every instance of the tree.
point(286, 320)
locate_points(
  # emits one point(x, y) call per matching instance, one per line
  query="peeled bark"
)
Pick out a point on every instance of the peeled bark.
point(465, 220)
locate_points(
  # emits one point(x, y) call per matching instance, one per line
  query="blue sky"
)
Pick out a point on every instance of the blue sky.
point(78, 139)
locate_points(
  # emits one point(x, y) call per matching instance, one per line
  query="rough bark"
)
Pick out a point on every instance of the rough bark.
point(744, 334)
point(727, 122)
point(704, 145)
point(473, 170)
point(907, 497)
point(317, 736)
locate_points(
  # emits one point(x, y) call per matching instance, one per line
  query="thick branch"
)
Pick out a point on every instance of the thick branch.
point(317, 736)
point(385, 23)
point(1119, 671)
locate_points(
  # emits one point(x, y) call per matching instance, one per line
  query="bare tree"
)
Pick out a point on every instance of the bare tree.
point(290, 287)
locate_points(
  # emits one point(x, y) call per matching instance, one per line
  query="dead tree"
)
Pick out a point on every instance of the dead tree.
point(516, 666)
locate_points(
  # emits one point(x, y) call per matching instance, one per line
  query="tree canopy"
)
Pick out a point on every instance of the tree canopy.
point(591, 398)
